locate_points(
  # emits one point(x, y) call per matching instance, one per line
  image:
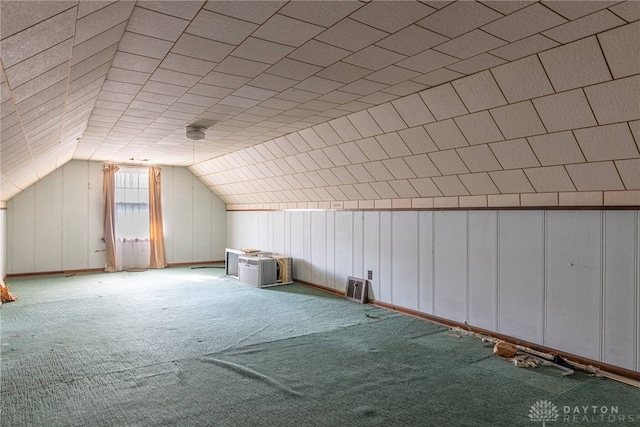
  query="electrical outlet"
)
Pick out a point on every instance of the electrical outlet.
point(369, 274)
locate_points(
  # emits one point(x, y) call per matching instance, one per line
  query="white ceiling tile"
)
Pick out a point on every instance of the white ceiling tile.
point(627, 10)
point(479, 184)
point(413, 110)
point(595, 176)
point(15, 17)
point(374, 58)
point(292, 69)
point(629, 172)
point(549, 179)
point(511, 181)
point(418, 140)
point(448, 162)
point(556, 149)
point(343, 72)
point(387, 117)
point(318, 85)
point(518, 120)
point(525, 47)
point(612, 142)
point(241, 67)
point(271, 82)
point(427, 61)
point(353, 152)
point(523, 23)
point(584, 27)
point(576, 64)
point(328, 134)
point(256, 12)
point(622, 50)
point(133, 62)
point(221, 28)
point(318, 53)
point(343, 175)
point(479, 92)
point(152, 24)
point(384, 190)
point(288, 31)
point(450, 186)
point(476, 64)
point(365, 124)
point(235, 101)
point(165, 76)
point(38, 38)
point(261, 50)
point(378, 98)
point(393, 145)
point(320, 13)
point(393, 75)
point(422, 166)
point(328, 177)
point(339, 97)
point(446, 134)
point(479, 158)
point(40, 83)
point(575, 10)
point(389, 16)
point(311, 137)
point(351, 35)
point(38, 64)
point(458, 18)
point(185, 10)
point(254, 93)
point(298, 142)
point(443, 102)
point(378, 171)
point(138, 44)
point(321, 159)
point(470, 44)
point(615, 101)
point(412, 40)
point(372, 149)
point(201, 48)
point(350, 192)
point(154, 87)
point(336, 155)
point(479, 128)
point(297, 95)
point(563, 111)
point(425, 187)
point(363, 87)
point(522, 79)
point(100, 21)
point(514, 154)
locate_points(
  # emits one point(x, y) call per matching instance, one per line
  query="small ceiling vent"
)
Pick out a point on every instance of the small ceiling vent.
point(195, 133)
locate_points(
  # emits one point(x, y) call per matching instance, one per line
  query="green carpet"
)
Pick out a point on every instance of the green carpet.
point(188, 347)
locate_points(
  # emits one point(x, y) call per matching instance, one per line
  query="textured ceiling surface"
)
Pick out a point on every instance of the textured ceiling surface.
point(323, 104)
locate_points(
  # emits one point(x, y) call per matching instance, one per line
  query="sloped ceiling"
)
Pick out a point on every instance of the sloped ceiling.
point(321, 104)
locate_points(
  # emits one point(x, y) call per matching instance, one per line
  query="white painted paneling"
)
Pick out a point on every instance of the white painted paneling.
point(219, 228)
point(182, 216)
point(318, 248)
point(343, 249)
point(96, 215)
point(278, 233)
point(48, 222)
point(331, 249)
point(386, 265)
point(166, 180)
point(306, 247)
point(425, 262)
point(620, 252)
point(521, 274)
point(75, 215)
point(404, 255)
point(574, 282)
point(202, 221)
point(3, 243)
point(371, 251)
point(450, 265)
point(358, 243)
point(483, 269)
point(297, 245)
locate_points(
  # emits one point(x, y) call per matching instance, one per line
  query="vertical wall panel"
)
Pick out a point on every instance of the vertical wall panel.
point(358, 245)
point(386, 265)
point(202, 221)
point(425, 262)
point(521, 274)
point(318, 248)
point(278, 233)
point(75, 215)
point(620, 288)
point(96, 214)
point(331, 249)
point(404, 255)
point(450, 267)
point(343, 249)
point(371, 250)
point(3, 243)
point(297, 243)
point(22, 229)
point(48, 221)
point(574, 282)
point(166, 193)
point(483, 269)
point(219, 228)
point(182, 213)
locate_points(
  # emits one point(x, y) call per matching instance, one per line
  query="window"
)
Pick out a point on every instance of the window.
point(132, 203)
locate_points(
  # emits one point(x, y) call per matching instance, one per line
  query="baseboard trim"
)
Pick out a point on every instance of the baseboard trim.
point(604, 369)
point(101, 270)
point(191, 264)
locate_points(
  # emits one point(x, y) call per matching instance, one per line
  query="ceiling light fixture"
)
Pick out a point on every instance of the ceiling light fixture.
point(195, 133)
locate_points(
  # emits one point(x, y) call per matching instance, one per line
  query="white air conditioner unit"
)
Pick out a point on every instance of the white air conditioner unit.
point(258, 271)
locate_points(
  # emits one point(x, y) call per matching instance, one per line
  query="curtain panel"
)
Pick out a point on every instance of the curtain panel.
point(156, 232)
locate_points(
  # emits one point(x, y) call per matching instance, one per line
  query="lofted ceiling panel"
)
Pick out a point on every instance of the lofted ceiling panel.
point(322, 104)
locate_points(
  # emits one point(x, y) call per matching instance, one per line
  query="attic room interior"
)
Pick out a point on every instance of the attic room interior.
point(476, 163)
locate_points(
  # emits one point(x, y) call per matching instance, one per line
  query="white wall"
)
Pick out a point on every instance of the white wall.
point(569, 280)
point(57, 223)
point(3, 242)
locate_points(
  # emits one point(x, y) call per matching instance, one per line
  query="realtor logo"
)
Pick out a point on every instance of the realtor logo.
point(543, 410)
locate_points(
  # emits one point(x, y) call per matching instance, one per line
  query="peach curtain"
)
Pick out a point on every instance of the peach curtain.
point(156, 233)
point(108, 193)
